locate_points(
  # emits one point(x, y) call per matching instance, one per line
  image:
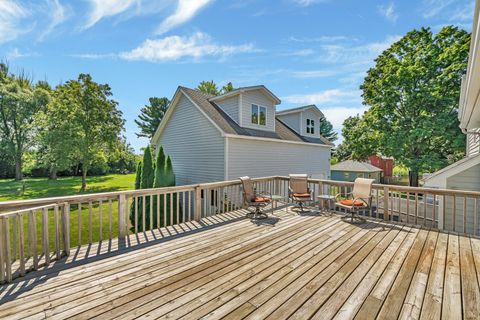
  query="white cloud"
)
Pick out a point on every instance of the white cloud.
point(336, 115)
point(11, 15)
point(107, 8)
point(186, 10)
point(15, 53)
point(432, 8)
point(327, 96)
point(300, 53)
point(176, 47)
point(306, 3)
point(359, 54)
point(463, 13)
point(388, 11)
point(314, 73)
point(58, 14)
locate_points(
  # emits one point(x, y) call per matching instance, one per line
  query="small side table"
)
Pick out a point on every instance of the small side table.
point(330, 200)
point(275, 198)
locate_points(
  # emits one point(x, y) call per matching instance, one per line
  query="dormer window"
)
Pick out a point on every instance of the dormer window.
point(311, 126)
point(259, 115)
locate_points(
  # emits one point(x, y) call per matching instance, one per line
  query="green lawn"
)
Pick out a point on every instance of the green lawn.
point(42, 187)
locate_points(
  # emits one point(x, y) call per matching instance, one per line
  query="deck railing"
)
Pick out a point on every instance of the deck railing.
point(33, 233)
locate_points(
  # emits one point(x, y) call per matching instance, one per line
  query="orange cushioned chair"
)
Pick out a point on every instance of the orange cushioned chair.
point(255, 199)
point(359, 199)
point(298, 189)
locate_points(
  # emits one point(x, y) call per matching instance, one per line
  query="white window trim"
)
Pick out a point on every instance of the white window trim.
point(258, 117)
point(308, 127)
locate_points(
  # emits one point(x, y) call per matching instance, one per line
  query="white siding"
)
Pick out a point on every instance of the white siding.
point(309, 114)
point(468, 179)
point(264, 158)
point(195, 145)
point(292, 120)
point(259, 98)
point(473, 143)
point(230, 106)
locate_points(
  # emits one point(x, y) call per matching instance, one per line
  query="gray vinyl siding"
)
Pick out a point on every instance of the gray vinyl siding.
point(259, 98)
point(195, 145)
point(473, 143)
point(230, 106)
point(292, 120)
point(265, 158)
point(468, 179)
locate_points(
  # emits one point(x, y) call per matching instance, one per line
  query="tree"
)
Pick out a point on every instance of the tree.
point(208, 87)
point(146, 180)
point(52, 133)
point(19, 102)
point(93, 117)
point(359, 140)
point(413, 92)
point(227, 88)
point(160, 172)
point(138, 177)
point(326, 130)
point(171, 199)
point(169, 175)
point(151, 115)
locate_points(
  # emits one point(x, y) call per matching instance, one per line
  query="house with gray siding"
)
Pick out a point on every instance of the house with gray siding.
point(214, 138)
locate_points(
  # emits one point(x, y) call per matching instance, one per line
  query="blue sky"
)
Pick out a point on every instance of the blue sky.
point(305, 51)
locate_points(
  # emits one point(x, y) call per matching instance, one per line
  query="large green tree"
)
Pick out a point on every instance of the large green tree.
point(151, 115)
point(413, 92)
point(326, 130)
point(20, 100)
point(93, 117)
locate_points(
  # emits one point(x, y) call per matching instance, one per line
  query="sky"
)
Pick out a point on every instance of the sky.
point(304, 51)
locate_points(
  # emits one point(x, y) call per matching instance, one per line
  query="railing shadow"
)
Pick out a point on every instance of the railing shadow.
point(115, 247)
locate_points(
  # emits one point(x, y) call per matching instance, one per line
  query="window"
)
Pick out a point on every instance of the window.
point(259, 115)
point(310, 126)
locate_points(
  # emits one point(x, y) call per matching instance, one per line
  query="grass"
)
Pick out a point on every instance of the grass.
point(42, 187)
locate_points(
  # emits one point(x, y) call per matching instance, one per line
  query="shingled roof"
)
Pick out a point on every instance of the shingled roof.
point(229, 126)
point(354, 166)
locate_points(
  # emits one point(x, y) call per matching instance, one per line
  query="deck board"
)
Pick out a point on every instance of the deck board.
point(289, 266)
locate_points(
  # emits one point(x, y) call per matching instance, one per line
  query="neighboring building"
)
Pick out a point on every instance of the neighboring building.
point(215, 138)
point(349, 170)
point(386, 164)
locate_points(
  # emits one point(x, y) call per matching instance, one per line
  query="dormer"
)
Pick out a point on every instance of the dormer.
point(250, 107)
point(304, 120)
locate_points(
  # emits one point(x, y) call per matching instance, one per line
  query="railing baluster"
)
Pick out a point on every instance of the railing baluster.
point(464, 214)
point(416, 208)
point(151, 212)
point(57, 232)
point(425, 209)
point(434, 209)
point(165, 210)
point(100, 218)
point(2, 255)
point(143, 213)
point(46, 242)
point(90, 238)
point(21, 245)
point(184, 207)
point(454, 212)
point(475, 216)
point(110, 213)
point(66, 228)
point(408, 207)
point(171, 209)
point(6, 244)
point(79, 224)
point(158, 211)
point(14, 237)
point(135, 202)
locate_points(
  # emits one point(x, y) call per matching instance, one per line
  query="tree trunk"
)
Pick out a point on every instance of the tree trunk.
point(53, 174)
point(18, 168)
point(84, 179)
point(413, 178)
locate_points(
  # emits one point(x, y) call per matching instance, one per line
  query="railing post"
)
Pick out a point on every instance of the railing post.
point(66, 228)
point(198, 203)
point(386, 216)
point(122, 206)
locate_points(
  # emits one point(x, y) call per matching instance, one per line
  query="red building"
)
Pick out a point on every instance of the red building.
point(386, 164)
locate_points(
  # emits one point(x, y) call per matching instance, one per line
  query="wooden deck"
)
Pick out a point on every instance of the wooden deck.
point(288, 266)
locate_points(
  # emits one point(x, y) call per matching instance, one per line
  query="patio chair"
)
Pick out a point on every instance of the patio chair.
point(298, 190)
point(255, 199)
point(359, 199)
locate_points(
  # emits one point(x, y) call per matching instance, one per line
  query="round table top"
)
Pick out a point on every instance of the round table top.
point(277, 197)
point(326, 197)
